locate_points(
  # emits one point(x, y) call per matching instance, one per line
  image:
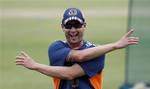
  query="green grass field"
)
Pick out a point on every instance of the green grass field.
point(33, 35)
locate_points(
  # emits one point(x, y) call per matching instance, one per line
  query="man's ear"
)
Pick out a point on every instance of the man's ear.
point(84, 24)
point(62, 27)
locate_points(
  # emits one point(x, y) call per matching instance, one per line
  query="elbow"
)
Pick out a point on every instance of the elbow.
point(69, 77)
point(64, 76)
point(81, 58)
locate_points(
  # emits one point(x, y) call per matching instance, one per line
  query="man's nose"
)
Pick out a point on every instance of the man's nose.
point(73, 29)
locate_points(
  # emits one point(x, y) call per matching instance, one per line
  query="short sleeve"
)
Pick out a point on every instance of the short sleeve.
point(58, 53)
point(93, 66)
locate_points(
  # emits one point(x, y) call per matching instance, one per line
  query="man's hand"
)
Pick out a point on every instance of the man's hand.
point(126, 40)
point(24, 60)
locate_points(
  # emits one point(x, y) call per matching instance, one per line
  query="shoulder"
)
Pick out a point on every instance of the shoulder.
point(57, 44)
point(58, 52)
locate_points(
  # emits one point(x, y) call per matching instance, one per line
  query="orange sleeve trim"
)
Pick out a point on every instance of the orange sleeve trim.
point(56, 83)
point(96, 81)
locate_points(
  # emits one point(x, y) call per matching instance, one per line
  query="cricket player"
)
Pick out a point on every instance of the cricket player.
point(75, 63)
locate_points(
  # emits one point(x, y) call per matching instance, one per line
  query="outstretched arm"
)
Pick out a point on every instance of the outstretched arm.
point(67, 73)
point(87, 54)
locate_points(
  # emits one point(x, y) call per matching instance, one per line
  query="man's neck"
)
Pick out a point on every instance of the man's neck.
point(76, 45)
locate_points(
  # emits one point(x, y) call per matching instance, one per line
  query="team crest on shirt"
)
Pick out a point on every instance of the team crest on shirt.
point(72, 12)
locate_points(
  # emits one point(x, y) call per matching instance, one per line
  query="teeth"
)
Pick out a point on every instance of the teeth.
point(73, 35)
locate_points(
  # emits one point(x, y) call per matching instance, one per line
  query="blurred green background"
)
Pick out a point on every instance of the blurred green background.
point(138, 59)
point(31, 25)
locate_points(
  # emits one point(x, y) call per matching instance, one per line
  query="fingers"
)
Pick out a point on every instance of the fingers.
point(24, 54)
point(133, 43)
point(133, 40)
point(129, 33)
point(21, 58)
point(19, 62)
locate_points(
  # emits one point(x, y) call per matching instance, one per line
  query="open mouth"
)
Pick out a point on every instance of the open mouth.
point(74, 36)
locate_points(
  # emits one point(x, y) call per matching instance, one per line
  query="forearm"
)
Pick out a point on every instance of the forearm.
point(61, 72)
point(53, 71)
point(97, 51)
point(90, 53)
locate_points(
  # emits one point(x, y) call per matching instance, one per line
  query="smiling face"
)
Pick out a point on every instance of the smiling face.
point(74, 32)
